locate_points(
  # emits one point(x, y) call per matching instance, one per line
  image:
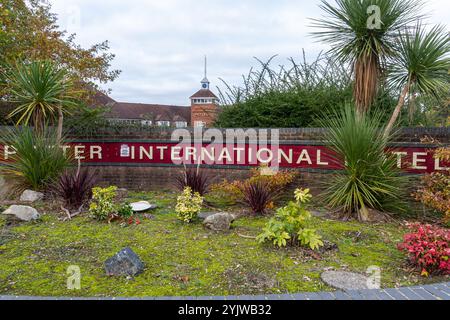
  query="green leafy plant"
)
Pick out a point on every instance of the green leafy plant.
point(189, 204)
point(369, 177)
point(420, 67)
point(363, 42)
point(289, 225)
point(125, 211)
point(102, 206)
point(38, 159)
point(42, 91)
point(301, 89)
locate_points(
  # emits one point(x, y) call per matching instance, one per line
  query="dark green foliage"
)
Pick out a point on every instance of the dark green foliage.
point(86, 121)
point(39, 159)
point(370, 178)
point(291, 97)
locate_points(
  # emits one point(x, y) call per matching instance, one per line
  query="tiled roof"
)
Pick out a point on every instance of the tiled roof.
point(101, 99)
point(156, 112)
point(204, 93)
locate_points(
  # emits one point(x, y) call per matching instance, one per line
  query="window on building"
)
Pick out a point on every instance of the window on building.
point(200, 124)
point(146, 123)
point(181, 124)
point(163, 123)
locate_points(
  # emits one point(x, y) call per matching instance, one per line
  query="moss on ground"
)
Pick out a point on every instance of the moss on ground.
point(185, 259)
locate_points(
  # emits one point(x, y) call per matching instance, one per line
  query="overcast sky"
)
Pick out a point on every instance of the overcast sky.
point(160, 44)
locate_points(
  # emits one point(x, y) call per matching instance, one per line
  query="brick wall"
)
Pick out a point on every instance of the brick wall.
point(206, 113)
point(153, 178)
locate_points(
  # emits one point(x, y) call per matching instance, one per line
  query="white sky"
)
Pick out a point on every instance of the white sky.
point(160, 44)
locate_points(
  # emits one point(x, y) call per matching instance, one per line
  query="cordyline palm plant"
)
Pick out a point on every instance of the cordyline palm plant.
point(75, 189)
point(421, 66)
point(370, 178)
point(38, 157)
point(362, 39)
point(195, 178)
point(41, 90)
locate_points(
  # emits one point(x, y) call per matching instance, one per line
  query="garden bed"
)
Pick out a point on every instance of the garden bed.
point(186, 259)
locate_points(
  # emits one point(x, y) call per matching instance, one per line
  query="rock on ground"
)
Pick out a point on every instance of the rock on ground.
point(345, 280)
point(124, 263)
point(31, 196)
point(23, 213)
point(204, 215)
point(219, 221)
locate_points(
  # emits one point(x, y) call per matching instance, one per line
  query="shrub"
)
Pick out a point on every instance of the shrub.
point(258, 195)
point(301, 90)
point(435, 189)
point(428, 248)
point(38, 159)
point(125, 212)
point(102, 206)
point(75, 187)
point(241, 191)
point(196, 179)
point(289, 225)
point(370, 177)
point(189, 204)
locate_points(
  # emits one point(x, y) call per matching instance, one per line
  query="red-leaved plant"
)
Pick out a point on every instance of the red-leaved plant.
point(428, 248)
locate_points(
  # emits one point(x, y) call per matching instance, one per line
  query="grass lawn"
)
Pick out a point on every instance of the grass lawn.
point(186, 259)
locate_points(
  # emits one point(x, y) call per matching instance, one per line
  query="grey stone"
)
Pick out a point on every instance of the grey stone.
point(219, 222)
point(23, 213)
point(124, 263)
point(345, 280)
point(31, 196)
point(204, 215)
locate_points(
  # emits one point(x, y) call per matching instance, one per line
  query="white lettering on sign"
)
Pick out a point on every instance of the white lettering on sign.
point(417, 159)
point(79, 152)
point(96, 151)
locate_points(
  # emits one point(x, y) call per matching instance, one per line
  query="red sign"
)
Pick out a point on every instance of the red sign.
point(412, 159)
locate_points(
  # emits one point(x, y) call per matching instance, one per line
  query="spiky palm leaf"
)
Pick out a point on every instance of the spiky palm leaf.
point(423, 57)
point(421, 65)
point(38, 157)
point(39, 89)
point(345, 27)
point(370, 177)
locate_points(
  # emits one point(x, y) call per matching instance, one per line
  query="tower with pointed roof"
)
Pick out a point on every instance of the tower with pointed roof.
point(204, 104)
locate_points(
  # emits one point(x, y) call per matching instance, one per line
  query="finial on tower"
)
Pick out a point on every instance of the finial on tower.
point(205, 81)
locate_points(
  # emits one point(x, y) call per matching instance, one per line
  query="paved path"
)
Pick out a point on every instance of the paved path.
point(426, 292)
